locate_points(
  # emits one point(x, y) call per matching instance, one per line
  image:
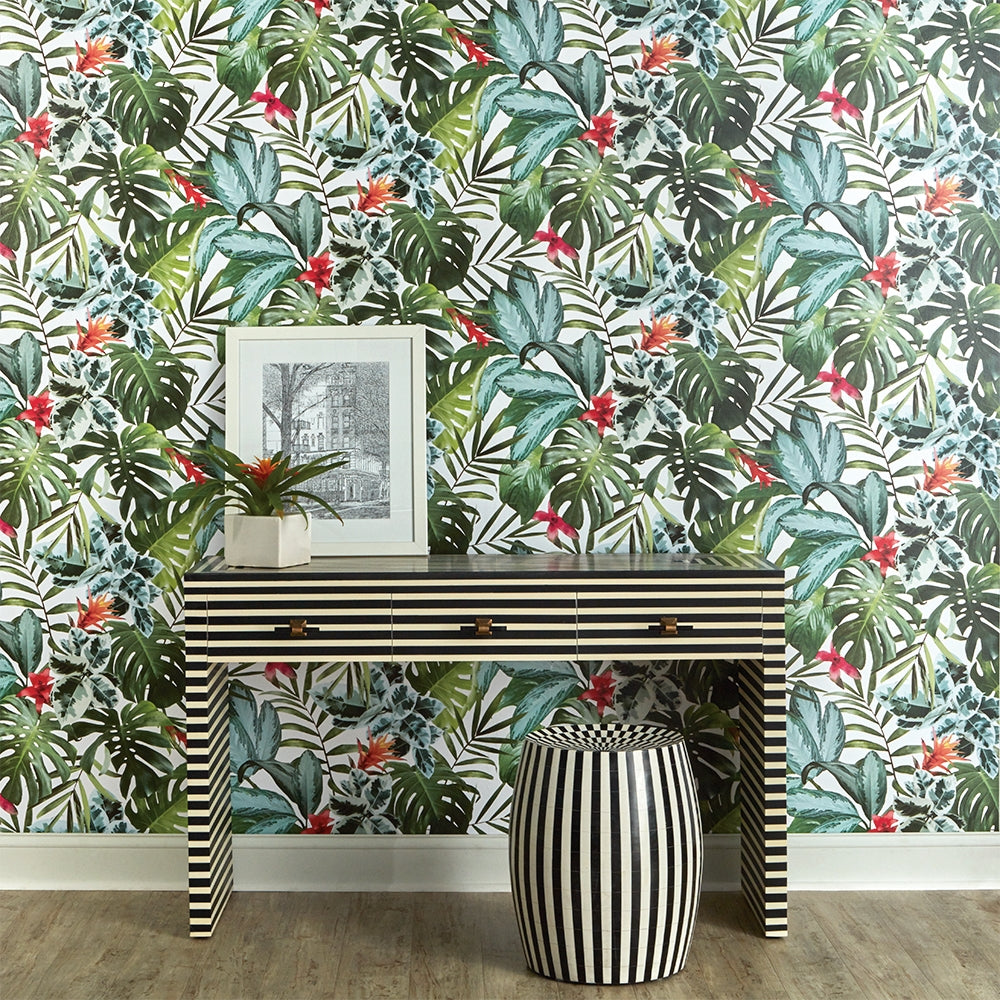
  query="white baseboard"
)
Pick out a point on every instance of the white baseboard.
point(151, 862)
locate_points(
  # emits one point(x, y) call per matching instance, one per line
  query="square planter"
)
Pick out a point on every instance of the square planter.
point(270, 542)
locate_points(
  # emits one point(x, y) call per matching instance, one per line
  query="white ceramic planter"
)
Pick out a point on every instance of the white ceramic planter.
point(270, 542)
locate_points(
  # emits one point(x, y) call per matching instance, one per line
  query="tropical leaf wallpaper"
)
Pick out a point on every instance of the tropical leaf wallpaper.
point(713, 275)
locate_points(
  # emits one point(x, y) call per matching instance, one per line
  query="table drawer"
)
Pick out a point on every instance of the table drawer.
point(692, 623)
point(301, 627)
point(484, 624)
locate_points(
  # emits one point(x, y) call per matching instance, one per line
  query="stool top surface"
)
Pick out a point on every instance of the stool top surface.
point(606, 736)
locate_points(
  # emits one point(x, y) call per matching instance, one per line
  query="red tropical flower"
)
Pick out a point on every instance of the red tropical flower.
point(7, 529)
point(97, 334)
point(320, 5)
point(557, 245)
point(946, 192)
point(888, 5)
point(601, 692)
point(39, 411)
point(884, 551)
point(258, 470)
point(886, 823)
point(841, 105)
point(758, 473)
point(177, 734)
point(839, 386)
point(556, 524)
point(5, 251)
point(662, 331)
point(275, 667)
point(7, 807)
point(475, 333)
point(319, 272)
point(272, 106)
point(661, 52)
point(320, 823)
point(944, 473)
point(97, 55)
point(39, 687)
point(838, 665)
point(192, 192)
point(99, 610)
point(602, 412)
point(37, 133)
point(885, 272)
point(602, 131)
point(940, 754)
point(472, 50)
point(192, 472)
point(379, 193)
point(380, 750)
point(756, 191)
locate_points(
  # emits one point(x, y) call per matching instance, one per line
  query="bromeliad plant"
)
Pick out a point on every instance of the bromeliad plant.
point(262, 488)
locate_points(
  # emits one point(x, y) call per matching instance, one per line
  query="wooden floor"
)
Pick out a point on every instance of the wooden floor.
point(440, 946)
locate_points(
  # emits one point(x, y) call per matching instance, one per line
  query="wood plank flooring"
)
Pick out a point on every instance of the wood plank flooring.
point(464, 946)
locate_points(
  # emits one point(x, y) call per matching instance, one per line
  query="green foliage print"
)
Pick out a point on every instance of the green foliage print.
point(716, 275)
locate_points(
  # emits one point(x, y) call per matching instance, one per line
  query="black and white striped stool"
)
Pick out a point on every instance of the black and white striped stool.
point(605, 852)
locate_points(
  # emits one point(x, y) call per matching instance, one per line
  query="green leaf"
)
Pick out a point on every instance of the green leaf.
point(821, 563)
point(874, 336)
point(243, 173)
point(539, 422)
point(826, 812)
point(247, 15)
point(134, 184)
point(524, 485)
point(437, 250)
point(21, 86)
point(450, 521)
point(256, 247)
point(148, 667)
point(22, 640)
point(21, 363)
point(419, 50)
point(820, 285)
point(34, 753)
point(590, 474)
point(720, 109)
point(540, 140)
point(241, 66)
point(34, 198)
point(808, 65)
point(807, 625)
point(440, 803)
point(719, 390)
point(261, 279)
point(154, 111)
point(134, 464)
point(525, 204)
point(590, 195)
point(807, 345)
point(33, 473)
point(451, 682)
point(873, 617)
point(818, 525)
point(979, 244)
point(307, 55)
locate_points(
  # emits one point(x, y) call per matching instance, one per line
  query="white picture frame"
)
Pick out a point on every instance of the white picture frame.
point(360, 390)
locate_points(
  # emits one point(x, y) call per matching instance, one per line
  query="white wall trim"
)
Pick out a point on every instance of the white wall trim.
point(151, 862)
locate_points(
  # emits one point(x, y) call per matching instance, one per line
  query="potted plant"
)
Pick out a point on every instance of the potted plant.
point(266, 522)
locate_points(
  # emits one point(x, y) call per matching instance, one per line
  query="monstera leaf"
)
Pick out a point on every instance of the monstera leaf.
point(34, 198)
point(720, 109)
point(33, 475)
point(153, 111)
point(307, 55)
point(437, 250)
point(440, 802)
point(719, 390)
point(34, 753)
point(589, 194)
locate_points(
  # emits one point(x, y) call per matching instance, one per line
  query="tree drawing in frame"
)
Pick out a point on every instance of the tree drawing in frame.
point(308, 410)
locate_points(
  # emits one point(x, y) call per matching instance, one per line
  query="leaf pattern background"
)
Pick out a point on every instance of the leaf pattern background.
point(695, 275)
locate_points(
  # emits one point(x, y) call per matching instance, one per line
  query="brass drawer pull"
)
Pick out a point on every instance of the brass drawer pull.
point(483, 629)
point(668, 626)
point(297, 628)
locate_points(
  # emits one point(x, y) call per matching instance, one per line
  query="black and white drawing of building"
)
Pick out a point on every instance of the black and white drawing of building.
point(311, 410)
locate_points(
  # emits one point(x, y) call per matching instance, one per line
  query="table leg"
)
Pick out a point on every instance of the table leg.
point(763, 837)
point(210, 845)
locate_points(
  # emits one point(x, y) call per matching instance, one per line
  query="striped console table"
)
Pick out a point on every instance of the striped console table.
point(490, 607)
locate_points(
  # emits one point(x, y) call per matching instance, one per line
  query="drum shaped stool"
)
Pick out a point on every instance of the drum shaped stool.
point(605, 852)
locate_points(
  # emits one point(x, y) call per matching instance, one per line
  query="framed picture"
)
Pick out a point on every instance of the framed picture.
point(357, 390)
